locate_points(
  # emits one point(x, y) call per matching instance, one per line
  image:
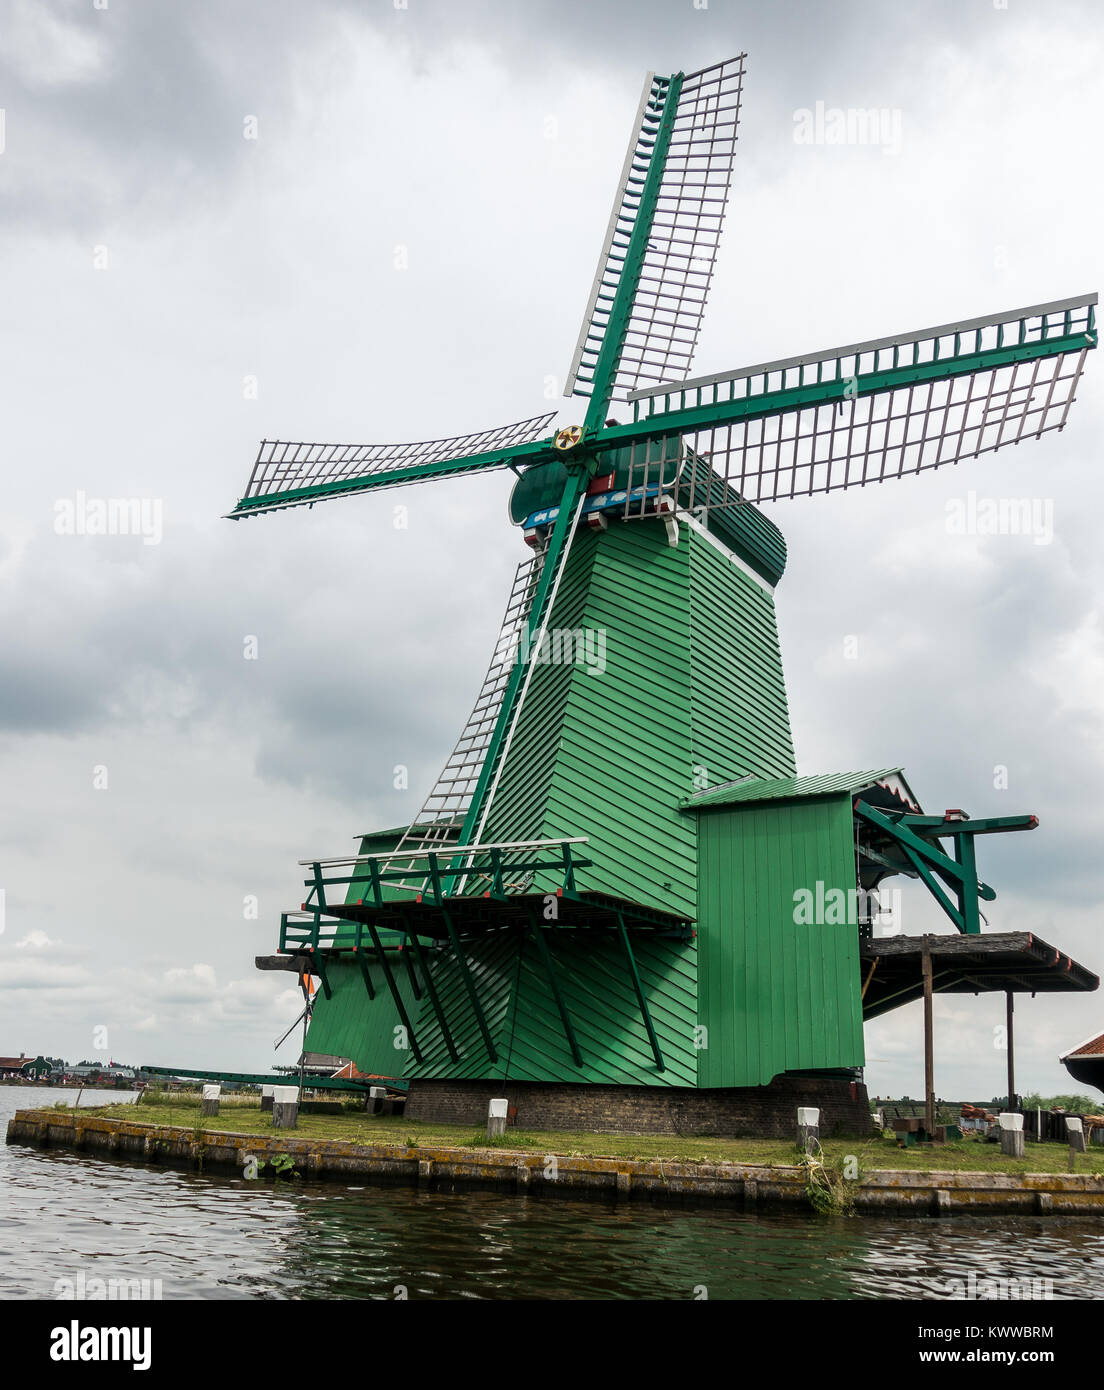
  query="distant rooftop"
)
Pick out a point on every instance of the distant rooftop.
point(1093, 1047)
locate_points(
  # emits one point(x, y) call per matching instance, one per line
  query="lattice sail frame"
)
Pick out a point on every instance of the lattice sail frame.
point(661, 331)
point(296, 475)
point(441, 819)
point(876, 410)
point(453, 801)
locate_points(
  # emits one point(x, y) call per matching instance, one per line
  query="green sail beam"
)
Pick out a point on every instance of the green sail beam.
point(699, 418)
point(613, 341)
point(296, 475)
point(578, 475)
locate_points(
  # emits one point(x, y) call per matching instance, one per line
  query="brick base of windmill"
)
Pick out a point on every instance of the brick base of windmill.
point(763, 1111)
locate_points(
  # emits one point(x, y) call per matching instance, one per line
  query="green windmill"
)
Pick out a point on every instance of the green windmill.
point(599, 911)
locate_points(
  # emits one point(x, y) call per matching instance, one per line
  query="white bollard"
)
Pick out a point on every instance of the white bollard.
point(1011, 1134)
point(1075, 1130)
point(210, 1102)
point(285, 1107)
point(496, 1118)
point(808, 1127)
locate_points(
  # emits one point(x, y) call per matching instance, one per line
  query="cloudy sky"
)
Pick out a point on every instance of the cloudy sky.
point(207, 209)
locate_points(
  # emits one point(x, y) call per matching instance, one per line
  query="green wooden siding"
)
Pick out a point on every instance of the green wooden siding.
point(519, 808)
point(592, 973)
point(692, 680)
point(775, 995)
point(741, 720)
point(492, 962)
point(521, 1012)
point(624, 760)
point(692, 686)
point(349, 1024)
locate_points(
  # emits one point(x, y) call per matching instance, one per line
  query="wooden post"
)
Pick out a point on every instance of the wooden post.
point(376, 1097)
point(210, 1103)
point(1076, 1132)
point(1012, 1136)
point(496, 1118)
point(285, 1107)
point(1009, 997)
point(929, 1049)
point(266, 1098)
point(808, 1128)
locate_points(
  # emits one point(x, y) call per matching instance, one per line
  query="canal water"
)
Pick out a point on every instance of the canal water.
point(66, 1221)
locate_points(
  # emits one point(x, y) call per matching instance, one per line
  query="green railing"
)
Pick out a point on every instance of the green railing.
point(495, 871)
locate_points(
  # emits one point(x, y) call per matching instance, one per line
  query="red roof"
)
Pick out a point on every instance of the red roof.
point(351, 1072)
point(1093, 1048)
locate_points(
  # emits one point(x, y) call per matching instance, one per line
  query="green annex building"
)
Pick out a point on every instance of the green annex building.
point(620, 907)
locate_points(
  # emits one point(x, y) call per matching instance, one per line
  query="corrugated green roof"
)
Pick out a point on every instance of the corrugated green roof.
point(779, 788)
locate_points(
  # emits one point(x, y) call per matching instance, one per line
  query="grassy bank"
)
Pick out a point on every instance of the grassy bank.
point(244, 1116)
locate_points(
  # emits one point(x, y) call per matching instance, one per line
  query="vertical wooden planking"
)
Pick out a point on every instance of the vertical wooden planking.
point(793, 985)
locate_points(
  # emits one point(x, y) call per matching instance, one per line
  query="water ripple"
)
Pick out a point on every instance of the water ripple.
point(66, 1215)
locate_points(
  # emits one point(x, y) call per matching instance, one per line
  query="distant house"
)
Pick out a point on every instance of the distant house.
point(86, 1071)
point(29, 1068)
point(97, 1071)
point(340, 1068)
point(1085, 1062)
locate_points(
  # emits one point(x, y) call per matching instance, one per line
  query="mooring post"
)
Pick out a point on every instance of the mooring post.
point(1012, 1135)
point(376, 1096)
point(266, 1097)
point(808, 1127)
point(1076, 1132)
point(929, 1050)
point(210, 1102)
point(496, 1118)
point(285, 1107)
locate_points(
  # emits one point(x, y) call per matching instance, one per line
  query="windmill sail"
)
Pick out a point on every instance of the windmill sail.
point(666, 226)
point(866, 412)
point(441, 818)
point(298, 475)
point(456, 809)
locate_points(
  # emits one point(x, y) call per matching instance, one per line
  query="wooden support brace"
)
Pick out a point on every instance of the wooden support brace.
point(365, 973)
point(546, 960)
point(469, 984)
point(640, 996)
point(395, 994)
point(408, 961)
point(431, 990)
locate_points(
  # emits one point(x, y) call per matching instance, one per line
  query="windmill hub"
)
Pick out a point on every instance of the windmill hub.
point(568, 438)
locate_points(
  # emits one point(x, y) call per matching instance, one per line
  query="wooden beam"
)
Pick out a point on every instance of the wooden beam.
point(1009, 1000)
point(929, 1049)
